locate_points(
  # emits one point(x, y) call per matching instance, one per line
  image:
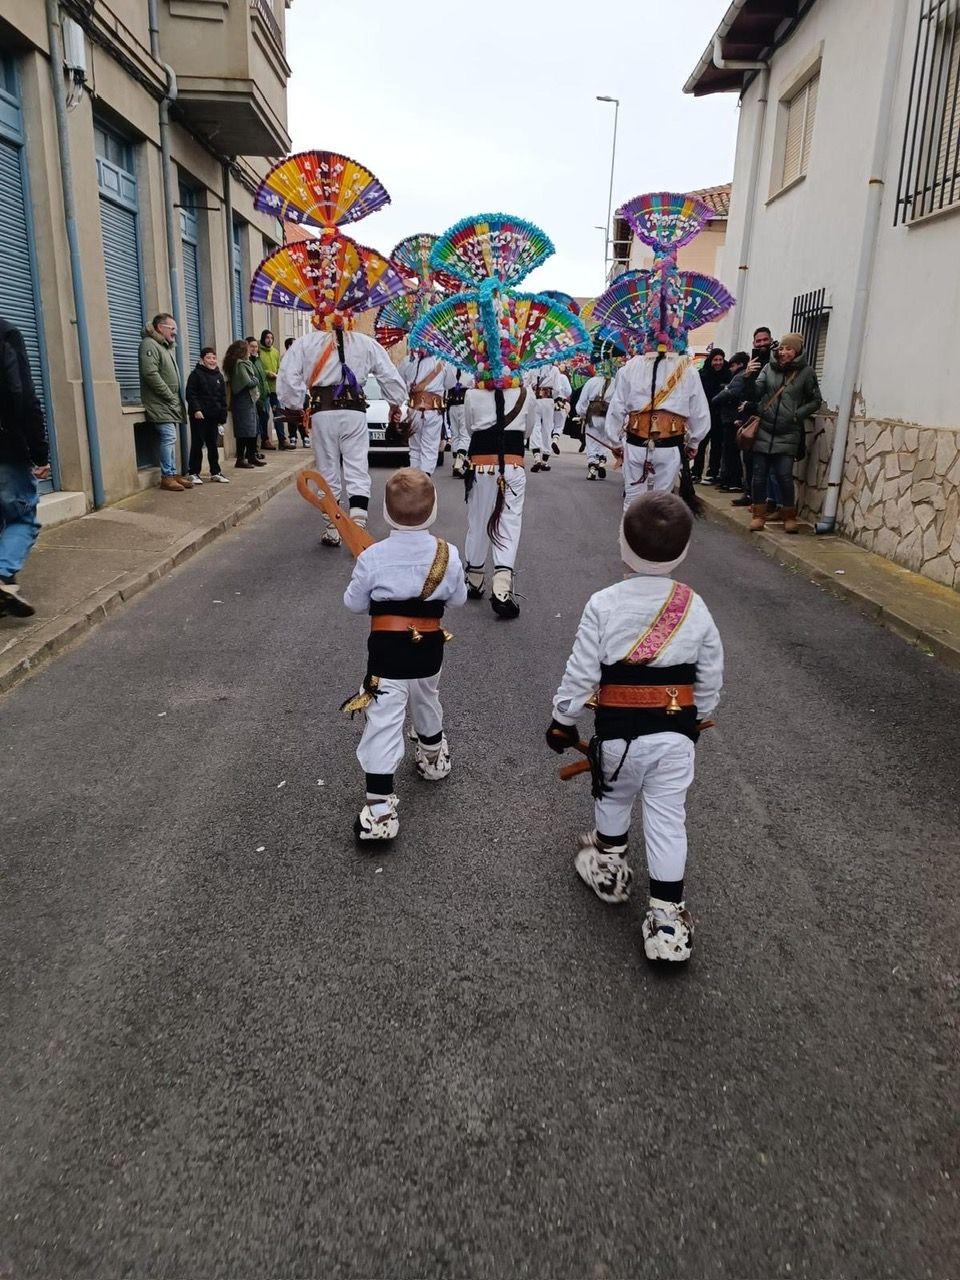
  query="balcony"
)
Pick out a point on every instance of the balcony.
point(232, 72)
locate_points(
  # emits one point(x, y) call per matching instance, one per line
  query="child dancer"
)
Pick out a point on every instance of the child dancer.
point(404, 582)
point(648, 655)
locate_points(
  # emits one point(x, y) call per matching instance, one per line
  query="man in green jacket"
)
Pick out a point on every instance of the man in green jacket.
point(161, 391)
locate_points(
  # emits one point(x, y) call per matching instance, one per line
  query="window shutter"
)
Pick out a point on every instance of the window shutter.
point(819, 355)
point(121, 260)
point(946, 191)
point(191, 291)
point(17, 297)
point(238, 328)
point(810, 114)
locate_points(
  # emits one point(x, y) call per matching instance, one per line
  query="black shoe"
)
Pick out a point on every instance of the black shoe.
point(743, 501)
point(505, 608)
point(602, 472)
point(554, 445)
point(475, 593)
point(544, 466)
point(12, 602)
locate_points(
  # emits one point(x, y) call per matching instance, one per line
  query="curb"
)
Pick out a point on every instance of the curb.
point(61, 631)
point(941, 644)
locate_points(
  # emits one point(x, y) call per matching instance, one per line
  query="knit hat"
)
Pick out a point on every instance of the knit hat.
point(655, 533)
point(409, 500)
point(794, 341)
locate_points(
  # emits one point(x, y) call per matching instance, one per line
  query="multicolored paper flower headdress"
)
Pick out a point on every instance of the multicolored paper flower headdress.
point(411, 257)
point(490, 329)
point(657, 308)
point(331, 275)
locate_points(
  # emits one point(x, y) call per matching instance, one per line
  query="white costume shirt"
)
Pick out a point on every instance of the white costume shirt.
point(414, 369)
point(363, 355)
point(611, 624)
point(564, 390)
point(632, 391)
point(547, 378)
point(396, 569)
point(592, 389)
point(481, 410)
point(450, 377)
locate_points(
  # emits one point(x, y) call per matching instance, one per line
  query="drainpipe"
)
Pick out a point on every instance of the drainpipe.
point(73, 247)
point(753, 183)
point(169, 209)
point(861, 297)
point(228, 214)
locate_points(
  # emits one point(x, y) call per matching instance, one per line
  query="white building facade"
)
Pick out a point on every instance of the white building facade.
point(845, 225)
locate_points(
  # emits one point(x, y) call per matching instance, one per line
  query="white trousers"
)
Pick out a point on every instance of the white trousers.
point(658, 769)
point(559, 418)
point(425, 441)
point(480, 504)
point(341, 436)
point(381, 746)
point(666, 472)
point(459, 435)
point(542, 426)
point(595, 452)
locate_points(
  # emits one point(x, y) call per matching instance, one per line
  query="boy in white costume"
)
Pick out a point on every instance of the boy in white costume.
point(648, 656)
point(545, 385)
point(457, 382)
point(404, 582)
point(425, 377)
point(592, 407)
point(331, 366)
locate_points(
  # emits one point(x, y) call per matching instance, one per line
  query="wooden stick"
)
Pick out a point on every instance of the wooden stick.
point(356, 539)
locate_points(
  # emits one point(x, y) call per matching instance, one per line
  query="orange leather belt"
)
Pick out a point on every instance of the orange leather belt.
point(426, 400)
point(398, 622)
point(670, 698)
point(661, 424)
point(491, 460)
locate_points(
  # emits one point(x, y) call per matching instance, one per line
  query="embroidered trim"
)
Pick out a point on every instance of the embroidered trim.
point(438, 570)
point(652, 642)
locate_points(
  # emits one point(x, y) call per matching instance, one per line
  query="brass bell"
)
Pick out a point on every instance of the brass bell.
point(673, 706)
point(415, 635)
point(447, 635)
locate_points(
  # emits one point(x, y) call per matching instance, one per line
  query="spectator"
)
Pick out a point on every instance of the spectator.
point(287, 344)
point(207, 406)
point(787, 393)
point(296, 420)
point(238, 368)
point(714, 376)
point(24, 459)
point(161, 392)
point(270, 360)
point(731, 462)
point(263, 397)
point(739, 392)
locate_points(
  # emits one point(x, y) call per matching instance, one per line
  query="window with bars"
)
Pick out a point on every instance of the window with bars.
point(811, 317)
point(929, 178)
point(801, 112)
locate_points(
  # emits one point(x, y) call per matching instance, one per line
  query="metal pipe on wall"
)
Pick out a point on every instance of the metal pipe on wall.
point(868, 245)
point(169, 207)
point(73, 245)
point(228, 216)
point(746, 242)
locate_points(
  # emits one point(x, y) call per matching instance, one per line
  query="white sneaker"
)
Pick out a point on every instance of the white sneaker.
point(378, 822)
point(607, 874)
point(194, 480)
point(433, 768)
point(667, 931)
point(359, 516)
point(330, 538)
point(219, 478)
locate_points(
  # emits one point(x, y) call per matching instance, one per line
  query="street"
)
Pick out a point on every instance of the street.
point(234, 1045)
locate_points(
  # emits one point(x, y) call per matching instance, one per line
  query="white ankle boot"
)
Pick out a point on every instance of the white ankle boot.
point(667, 931)
point(605, 870)
point(378, 821)
point(433, 767)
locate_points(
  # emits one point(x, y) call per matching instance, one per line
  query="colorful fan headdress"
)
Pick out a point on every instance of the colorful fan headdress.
point(411, 257)
point(332, 275)
point(490, 329)
point(660, 306)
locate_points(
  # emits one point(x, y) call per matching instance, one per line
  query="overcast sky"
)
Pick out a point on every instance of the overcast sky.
point(469, 108)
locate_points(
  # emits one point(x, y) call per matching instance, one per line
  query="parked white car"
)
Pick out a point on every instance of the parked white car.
point(385, 441)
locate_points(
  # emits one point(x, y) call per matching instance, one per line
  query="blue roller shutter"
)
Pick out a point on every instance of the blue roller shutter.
point(238, 327)
point(121, 256)
point(190, 244)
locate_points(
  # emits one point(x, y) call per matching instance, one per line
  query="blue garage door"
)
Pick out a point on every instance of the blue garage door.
point(121, 256)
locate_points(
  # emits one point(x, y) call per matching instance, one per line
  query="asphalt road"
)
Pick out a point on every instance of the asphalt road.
point(234, 1046)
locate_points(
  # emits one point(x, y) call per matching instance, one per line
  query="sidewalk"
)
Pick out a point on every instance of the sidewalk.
point(82, 570)
point(920, 611)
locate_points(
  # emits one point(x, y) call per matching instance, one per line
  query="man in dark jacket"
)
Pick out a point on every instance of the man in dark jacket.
point(24, 459)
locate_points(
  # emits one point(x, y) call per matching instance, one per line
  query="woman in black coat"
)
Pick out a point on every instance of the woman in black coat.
point(207, 407)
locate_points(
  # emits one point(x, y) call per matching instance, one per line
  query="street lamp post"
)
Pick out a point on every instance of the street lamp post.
point(613, 159)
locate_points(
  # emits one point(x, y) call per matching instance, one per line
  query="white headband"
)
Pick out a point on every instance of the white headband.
point(410, 528)
point(660, 568)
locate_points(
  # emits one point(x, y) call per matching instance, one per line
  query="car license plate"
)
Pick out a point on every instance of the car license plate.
point(378, 433)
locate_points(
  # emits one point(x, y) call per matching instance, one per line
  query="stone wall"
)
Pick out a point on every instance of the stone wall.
point(900, 495)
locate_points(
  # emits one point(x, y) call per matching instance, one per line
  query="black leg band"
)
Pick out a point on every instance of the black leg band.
point(429, 739)
point(379, 784)
point(612, 840)
point(362, 502)
point(666, 890)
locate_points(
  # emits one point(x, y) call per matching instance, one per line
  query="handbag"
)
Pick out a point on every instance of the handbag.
point(747, 431)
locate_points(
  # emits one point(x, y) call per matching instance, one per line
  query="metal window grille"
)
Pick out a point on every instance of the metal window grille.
point(811, 317)
point(930, 158)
